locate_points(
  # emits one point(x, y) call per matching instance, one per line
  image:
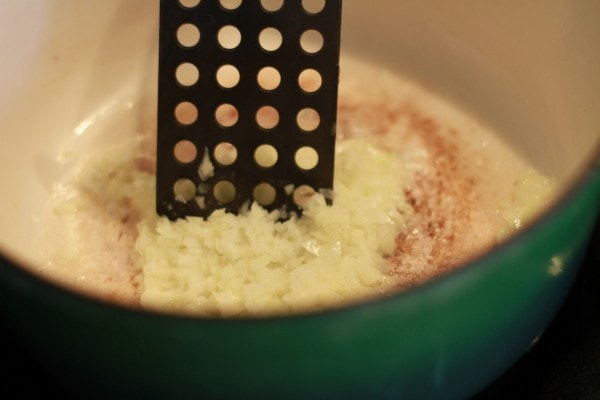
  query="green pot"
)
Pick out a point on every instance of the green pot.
point(446, 339)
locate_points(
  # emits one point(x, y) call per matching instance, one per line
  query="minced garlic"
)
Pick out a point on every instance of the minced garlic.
point(252, 263)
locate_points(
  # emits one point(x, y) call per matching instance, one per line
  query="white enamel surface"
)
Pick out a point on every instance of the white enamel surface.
point(72, 67)
point(529, 69)
point(82, 64)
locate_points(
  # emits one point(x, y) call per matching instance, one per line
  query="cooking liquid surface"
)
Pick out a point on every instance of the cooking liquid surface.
point(465, 191)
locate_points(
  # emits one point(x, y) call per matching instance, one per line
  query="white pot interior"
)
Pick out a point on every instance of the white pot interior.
point(75, 67)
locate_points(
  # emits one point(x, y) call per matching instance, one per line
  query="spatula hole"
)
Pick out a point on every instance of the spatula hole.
point(313, 6)
point(311, 41)
point(184, 190)
point(302, 195)
point(266, 156)
point(229, 37)
point(189, 3)
point(306, 158)
point(188, 35)
point(271, 5)
point(267, 117)
point(228, 76)
point(270, 39)
point(186, 113)
point(268, 78)
point(185, 151)
point(187, 74)
point(310, 80)
point(226, 115)
point(224, 192)
point(308, 119)
point(225, 153)
point(264, 194)
point(230, 4)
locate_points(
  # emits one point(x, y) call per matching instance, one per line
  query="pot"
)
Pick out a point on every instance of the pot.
point(528, 70)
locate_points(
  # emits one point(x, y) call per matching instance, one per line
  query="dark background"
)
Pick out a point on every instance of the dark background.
point(564, 364)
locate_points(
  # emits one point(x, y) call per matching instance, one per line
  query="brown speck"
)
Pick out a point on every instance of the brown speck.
point(145, 164)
